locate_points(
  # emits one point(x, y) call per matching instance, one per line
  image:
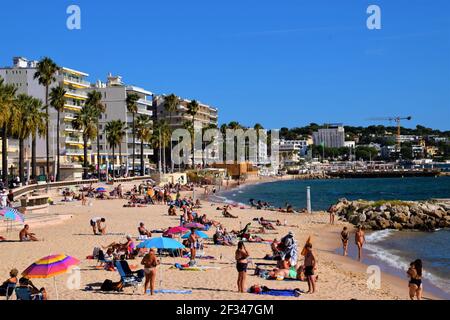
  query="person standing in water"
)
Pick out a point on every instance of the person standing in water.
point(241, 256)
point(344, 238)
point(359, 240)
point(150, 263)
point(415, 283)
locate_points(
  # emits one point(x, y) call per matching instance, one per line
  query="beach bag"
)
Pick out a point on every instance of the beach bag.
point(107, 285)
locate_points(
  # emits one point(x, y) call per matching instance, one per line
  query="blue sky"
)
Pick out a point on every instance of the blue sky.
point(280, 63)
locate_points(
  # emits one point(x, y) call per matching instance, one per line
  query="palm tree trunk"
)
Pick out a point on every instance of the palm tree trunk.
point(142, 158)
point(5, 154)
point(85, 162)
point(164, 157)
point(171, 146)
point(98, 149)
point(113, 161)
point(134, 147)
point(21, 162)
point(47, 140)
point(58, 166)
point(33, 156)
point(120, 158)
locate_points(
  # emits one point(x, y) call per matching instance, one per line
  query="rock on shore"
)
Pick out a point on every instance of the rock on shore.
point(378, 215)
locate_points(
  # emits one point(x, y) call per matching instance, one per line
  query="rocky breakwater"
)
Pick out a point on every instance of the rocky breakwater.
point(378, 215)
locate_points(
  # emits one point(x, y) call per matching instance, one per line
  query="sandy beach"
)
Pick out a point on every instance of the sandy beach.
point(340, 278)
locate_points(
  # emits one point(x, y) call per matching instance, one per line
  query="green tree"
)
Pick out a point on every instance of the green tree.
point(7, 104)
point(94, 100)
point(57, 101)
point(115, 131)
point(85, 121)
point(144, 134)
point(46, 74)
point(131, 101)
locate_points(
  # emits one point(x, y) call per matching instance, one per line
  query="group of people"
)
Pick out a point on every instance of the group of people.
point(9, 286)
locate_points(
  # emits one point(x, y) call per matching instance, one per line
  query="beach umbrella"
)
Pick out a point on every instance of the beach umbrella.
point(100, 189)
point(12, 214)
point(199, 233)
point(194, 225)
point(50, 266)
point(161, 243)
point(176, 230)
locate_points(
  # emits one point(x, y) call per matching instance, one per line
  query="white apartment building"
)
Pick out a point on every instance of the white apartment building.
point(290, 151)
point(114, 94)
point(331, 137)
point(21, 74)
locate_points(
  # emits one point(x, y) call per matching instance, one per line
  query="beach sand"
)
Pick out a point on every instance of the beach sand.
point(339, 277)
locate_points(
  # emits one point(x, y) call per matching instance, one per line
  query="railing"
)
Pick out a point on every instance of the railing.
point(75, 80)
point(45, 186)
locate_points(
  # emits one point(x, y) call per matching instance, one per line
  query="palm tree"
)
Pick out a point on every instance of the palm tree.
point(159, 139)
point(193, 108)
point(114, 134)
point(46, 74)
point(7, 103)
point(131, 102)
point(57, 101)
point(144, 133)
point(27, 118)
point(94, 100)
point(171, 103)
point(257, 127)
point(85, 121)
point(38, 123)
point(121, 131)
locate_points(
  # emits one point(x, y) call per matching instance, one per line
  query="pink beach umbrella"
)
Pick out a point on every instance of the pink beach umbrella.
point(194, 225)
point(176, 230)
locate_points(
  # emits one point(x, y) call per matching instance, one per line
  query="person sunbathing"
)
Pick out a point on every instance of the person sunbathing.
point(143, 231)
point(226, 214)
point(172, 211)
point(2, 238)
point(26, 235)
point(266, 224)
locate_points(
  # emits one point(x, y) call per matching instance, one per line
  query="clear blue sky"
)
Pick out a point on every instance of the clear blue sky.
point(280, 63)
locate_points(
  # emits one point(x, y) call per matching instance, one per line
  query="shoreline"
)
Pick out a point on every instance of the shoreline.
point(388, 272)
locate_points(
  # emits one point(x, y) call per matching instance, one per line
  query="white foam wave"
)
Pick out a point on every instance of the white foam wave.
point(378, 236)
point(396, 261)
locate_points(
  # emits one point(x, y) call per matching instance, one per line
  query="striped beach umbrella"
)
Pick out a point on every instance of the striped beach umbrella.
point(12, 214)
point(50, 266)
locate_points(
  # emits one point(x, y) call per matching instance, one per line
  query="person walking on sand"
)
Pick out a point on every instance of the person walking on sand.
point(415, 279)
point(359, 240)
point(241, 256)
point(193, 246)
point(332, 212)
point(344, 238)
point(150, 262)
point(310, 265)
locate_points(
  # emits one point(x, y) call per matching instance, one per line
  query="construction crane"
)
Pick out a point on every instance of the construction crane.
point(397, 120)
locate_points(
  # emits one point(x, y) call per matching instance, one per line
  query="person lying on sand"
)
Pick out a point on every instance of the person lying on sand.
point(2, 238)
point(26, 235)
point(226, 214)
point(266, 224)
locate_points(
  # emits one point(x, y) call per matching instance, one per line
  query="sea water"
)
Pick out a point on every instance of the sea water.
point(392, 250)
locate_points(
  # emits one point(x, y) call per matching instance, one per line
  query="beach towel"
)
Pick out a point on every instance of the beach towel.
point(195, 268)
point(282, 293)
point(173, 291)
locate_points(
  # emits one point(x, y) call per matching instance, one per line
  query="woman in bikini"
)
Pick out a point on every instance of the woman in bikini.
point(193, 245)
point(344, 238)
point(241, 265)
point(150, 263)
point(415, 283)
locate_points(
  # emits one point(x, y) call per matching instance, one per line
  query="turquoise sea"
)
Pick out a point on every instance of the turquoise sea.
point(391, 250)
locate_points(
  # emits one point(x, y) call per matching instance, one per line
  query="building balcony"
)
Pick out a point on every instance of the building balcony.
point(145, 112)
point(75, 94)
point(74, 152)
point(72, 106)
point(76, 82)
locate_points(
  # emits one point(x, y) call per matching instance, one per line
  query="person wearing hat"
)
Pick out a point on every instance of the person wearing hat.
point(150, 262)
point(12, 280)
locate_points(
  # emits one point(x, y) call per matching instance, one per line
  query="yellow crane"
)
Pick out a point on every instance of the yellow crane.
point(397, 120)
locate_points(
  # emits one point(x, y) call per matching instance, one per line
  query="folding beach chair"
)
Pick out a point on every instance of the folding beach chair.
point(23, 293)
point(128, 277)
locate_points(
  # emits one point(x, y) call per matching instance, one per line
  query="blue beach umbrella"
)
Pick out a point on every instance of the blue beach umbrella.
point(12, 214)
point(161, 243)
point(199, 233)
